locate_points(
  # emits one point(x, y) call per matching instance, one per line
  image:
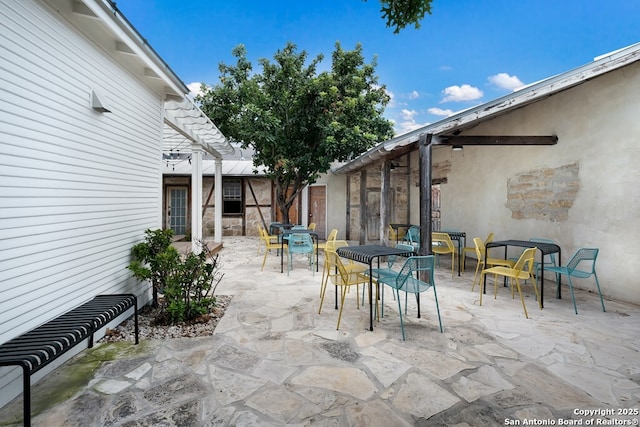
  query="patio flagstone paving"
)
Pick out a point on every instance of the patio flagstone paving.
point(274, 361)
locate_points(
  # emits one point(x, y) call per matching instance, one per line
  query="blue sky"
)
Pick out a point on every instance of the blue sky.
point(466, 52)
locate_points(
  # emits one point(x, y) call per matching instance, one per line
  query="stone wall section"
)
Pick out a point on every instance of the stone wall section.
point(544, 194)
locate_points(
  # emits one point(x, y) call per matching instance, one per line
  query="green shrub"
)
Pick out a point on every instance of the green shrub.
point(187, 283)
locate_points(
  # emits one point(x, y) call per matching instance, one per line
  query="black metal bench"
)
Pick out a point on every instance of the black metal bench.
point(37, 348)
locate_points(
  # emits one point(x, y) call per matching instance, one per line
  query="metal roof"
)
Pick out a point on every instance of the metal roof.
point(473, 116)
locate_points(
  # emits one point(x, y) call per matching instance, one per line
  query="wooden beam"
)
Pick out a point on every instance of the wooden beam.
point(498, 140)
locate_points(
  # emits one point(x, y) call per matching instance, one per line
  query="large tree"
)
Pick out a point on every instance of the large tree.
point(400, 13)
point(298, 122)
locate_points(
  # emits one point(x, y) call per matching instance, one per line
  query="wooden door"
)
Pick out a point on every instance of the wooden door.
point(373, 214)
point(318, 209)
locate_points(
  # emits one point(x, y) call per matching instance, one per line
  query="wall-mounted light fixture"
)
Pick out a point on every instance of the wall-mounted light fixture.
point(395, 166)
point(457, 148)
point(97, 105)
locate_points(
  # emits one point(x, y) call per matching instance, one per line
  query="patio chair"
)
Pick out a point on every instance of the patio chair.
point(584, 257)
point(387, 272)
point(350, 265)
point(272, 238)
point(412, 237)
point(342, 279)
point(410, 280)
point(484, 263)
point(269, 244)
point(522, 270)
point(300, 244)
point(333, 234)
point(442, 245)
point(472, 249)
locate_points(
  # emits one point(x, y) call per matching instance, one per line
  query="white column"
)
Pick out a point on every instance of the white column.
point(217, 237)
point(196, 197)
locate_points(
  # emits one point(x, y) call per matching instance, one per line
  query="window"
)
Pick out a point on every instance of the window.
point(231, 196)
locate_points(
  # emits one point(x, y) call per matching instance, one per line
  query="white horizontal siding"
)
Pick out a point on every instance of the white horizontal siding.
point(77, 188)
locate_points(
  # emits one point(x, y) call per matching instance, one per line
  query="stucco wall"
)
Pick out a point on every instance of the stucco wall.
point(598, 154)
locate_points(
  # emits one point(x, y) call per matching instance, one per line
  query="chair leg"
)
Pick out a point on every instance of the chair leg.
point(400, 313)
point(435, 296)
point(343, 294)
point(264, 259)
point(573, 298)
point(599, 292)
point(521, 298)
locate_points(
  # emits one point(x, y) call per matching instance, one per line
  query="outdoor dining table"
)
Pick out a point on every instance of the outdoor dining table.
point(544, 248)
point(366, 254)
point(398, 227)
point(283, 237)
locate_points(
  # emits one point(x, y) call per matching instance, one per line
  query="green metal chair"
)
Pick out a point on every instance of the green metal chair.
point(584, 257)
point(409, 281)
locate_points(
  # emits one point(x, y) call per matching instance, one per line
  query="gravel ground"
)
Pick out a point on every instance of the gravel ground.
point(148, 330)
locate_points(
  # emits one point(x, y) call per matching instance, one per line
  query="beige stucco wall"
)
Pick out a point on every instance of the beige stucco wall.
point(336, 202)
point(598, 129)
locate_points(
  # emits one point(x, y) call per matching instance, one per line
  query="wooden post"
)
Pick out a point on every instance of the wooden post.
point(384, 198)
point(363, 206)
point(425, 194)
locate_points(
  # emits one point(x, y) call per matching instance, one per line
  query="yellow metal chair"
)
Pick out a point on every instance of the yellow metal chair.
point(350, 265)
point(269, 244)
point(522, 270)
point(442, 245)
point(333, 234)
point(484, 263)
point(312, 226)
point(472, 249)
point(261, 232)
point(341, 278)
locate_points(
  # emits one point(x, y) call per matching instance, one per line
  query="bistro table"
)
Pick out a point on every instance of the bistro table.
point(366, 254)
point(398, 227)
point(544, 248)
point(283, 237)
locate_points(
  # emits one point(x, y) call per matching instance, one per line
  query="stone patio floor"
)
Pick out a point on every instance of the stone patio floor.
point(274, 361)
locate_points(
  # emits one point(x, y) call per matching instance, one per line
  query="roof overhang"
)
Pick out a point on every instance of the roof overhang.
point(445, 131)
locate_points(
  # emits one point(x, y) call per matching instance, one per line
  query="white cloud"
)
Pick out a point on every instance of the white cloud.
point(195, 88)
point(461, 93)
point(440, 112)
point(408, 114)
point(408, 126)
point(505, 81)
point(414, 95)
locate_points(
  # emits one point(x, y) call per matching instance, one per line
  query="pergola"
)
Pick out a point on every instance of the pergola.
point(188, 132)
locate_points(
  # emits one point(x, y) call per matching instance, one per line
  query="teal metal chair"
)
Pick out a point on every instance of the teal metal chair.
point(585, 258)
point(408, 280)
point(412, 237)
point(388, 272)
point(300, 244)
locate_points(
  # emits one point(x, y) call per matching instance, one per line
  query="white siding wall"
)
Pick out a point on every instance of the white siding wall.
point(597, 126)
point(77, 187)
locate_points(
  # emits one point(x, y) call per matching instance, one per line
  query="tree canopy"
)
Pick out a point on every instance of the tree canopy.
point(298, 121)
point(400, 13)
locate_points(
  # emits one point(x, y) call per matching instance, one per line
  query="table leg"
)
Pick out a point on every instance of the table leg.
point(371, 295)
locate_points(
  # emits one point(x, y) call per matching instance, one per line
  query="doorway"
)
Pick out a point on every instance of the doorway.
point(318, 209)
point(177, 209)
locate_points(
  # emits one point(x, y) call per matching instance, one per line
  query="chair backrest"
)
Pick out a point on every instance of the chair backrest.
point(443, 239)
point(334, 263)
point(413, 235)
point(489, 238)
point(392, 233)
point(480, 248)
point(583, 255)
point(333, 234)
point(300, 243)
point(525, 262)
point(333, 245)
point(312, 226)
point(298, 227)
point(414, 271)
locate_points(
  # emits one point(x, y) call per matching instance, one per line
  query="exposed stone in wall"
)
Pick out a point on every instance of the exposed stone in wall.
point(546, 194)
